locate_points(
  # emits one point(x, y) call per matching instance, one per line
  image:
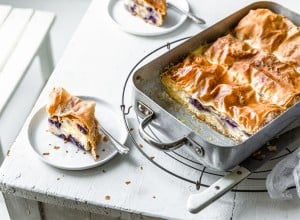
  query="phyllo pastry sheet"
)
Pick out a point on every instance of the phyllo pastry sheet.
point(239, 83)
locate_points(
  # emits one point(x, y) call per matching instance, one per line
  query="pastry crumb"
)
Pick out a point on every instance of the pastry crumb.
point(131, 129)
point(152, 158)
point(258, 155)
point(107, 197)
point(127, 182)
point(140, 145)
point(272, 148)
point(104, 171)
point(153, 197)
point(46, 153)
point(56, 147)
point(7, 153)
point(105, 138)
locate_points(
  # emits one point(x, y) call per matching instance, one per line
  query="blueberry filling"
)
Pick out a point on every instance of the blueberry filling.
point(74, 141)
point(152, 19)
point(198, 105)
point(149, 9)
point(228, 121)
point(82, 129)
point(71, 139)
point(56, 123)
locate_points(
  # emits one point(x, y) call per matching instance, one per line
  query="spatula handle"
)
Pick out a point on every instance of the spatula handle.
point(197, 202)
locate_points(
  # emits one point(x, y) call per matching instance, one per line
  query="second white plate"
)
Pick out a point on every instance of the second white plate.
point(137, 26)
point(56, 152)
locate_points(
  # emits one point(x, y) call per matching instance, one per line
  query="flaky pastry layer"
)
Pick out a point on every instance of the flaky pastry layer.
point(242, 81)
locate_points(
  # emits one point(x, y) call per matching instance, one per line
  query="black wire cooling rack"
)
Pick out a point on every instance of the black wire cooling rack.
point(184, 160)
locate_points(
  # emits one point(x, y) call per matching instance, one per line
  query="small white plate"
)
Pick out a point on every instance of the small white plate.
point(54, 151)
point(137, 26)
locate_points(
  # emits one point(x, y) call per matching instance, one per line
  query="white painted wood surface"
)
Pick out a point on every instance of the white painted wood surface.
point(97, 62)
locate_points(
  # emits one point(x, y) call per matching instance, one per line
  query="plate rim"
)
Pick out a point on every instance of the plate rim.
point(97, 163)
point(111, 4)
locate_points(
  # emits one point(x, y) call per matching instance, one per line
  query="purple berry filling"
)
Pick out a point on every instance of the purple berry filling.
point(82, 129)
point(198, 105)
point(56, 123)
point(71, 139)
point(74, 141)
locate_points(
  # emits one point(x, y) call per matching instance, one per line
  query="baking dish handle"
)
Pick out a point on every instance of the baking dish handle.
point(148, 117)
point(161, 146)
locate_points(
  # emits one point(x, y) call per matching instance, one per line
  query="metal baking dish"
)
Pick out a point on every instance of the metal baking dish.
point(204, 143)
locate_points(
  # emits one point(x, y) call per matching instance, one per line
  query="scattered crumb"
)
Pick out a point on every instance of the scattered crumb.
point(107, 197)
point(65, 141)
point(258, 155)
point(57, 178)
point(272, 148)
point(154, 197)
point(103, 150)
point(84, 152)
point(7, 153)
point(56, 147)
point(97, 156)
point(127, 182)
point(152, 158)
point(105, 138)
point(67, 151)
point(50, 144)
point(104, 171)
point(142, 167)
point(46, 153)
point(140, 145)
point(131, 129)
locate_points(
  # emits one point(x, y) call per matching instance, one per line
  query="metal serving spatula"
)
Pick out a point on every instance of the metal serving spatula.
point(197, 202)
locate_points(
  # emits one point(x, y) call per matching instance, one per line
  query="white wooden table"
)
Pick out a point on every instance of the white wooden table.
point(97, 62)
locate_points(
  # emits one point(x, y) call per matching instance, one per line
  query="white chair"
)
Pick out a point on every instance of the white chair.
point(24, 35)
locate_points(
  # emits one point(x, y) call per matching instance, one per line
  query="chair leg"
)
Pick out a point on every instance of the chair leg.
point(46, 58)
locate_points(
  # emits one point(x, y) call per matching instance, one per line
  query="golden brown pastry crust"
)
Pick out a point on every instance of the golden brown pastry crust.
point(248, 76)
point(159, 5)
point(62, 104)
point(272, 33)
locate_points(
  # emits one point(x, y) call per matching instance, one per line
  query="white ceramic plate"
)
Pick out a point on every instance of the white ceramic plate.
point(56, 152)
point(137, 26)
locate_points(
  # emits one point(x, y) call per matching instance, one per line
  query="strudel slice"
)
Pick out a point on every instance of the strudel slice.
point(151, 11)
point(73, 119)
point(208, 91)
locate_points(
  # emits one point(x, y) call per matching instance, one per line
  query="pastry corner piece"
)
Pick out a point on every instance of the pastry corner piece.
point(151, 11)
point(73, 119)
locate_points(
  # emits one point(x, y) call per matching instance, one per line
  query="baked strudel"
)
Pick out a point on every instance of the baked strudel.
point(239, 83)
point(151, 11)
point(73, 119)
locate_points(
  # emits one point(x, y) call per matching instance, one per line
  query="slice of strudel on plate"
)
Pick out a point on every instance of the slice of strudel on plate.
point(73, 119)
point(151, 11)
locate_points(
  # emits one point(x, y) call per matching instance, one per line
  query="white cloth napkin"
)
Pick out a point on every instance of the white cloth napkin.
point(285, 174)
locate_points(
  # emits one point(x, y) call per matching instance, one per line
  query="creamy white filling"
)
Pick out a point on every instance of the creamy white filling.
point(69, 127)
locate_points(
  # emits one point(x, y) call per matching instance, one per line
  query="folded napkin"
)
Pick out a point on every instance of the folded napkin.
point(284, 175)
